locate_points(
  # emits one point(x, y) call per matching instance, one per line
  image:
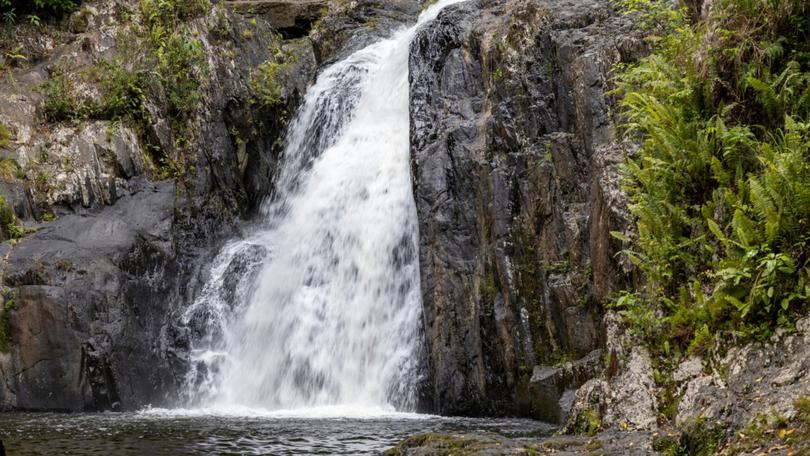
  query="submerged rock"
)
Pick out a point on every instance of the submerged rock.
point(614, 443)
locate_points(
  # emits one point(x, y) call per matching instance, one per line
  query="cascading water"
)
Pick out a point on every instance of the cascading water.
point(320, 305)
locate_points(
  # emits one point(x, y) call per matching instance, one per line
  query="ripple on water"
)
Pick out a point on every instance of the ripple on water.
point(185, 432)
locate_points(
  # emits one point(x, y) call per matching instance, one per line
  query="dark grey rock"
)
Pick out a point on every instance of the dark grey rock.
point(551, 388)
point(293, 19)
point(606, 443)
point(99, 292)
point(351, 25)
point(513, 159)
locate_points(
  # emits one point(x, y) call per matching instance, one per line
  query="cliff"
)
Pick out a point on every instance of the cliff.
point(136, 140)
point(139, 137)
point(515, 173)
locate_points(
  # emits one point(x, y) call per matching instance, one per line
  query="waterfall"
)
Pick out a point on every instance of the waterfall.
point(319, 304)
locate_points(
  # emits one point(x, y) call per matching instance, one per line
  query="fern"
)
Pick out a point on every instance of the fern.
point(720, 186)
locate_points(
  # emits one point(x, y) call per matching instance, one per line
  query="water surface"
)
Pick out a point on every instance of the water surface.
point(161, 432)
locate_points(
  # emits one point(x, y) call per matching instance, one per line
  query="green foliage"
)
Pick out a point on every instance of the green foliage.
point(13, 57)
point(268, 81)
point(9, 169)
point(223, 28)
point(5, 310)
point(176, 55)
point(35, 8)
point(666, 445)
point(61, 103)
point(157, 59)
point(425, 4)
point(700, 439)
point(802, 405)
point(124, 91)
point(179, 62)
point(773, 430)
point(592, 421)
point(9, 229)
point(588, 422)
point(160, 17)
point(654, 16)
point(5, 136)
point(720, 186)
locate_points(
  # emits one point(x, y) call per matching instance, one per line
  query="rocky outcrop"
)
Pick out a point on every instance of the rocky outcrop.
point(748, 386)
point(514, 168)
point(92, 294)
point(94, 299)
point(91, 299)
point(292, 18)
point(748, 380)
point(551, 389)
point(352, 25)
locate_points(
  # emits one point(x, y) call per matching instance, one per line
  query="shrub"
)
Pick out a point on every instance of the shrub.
point(123, 90)
point(8, 222)
point(161, 16)
point(36, 8)
point(177, 59)
point(156, 59)
point(720, 187)
point(5, 136)
point(6, 308)
point(61, 102)
point(9, 169)
point(268, 81)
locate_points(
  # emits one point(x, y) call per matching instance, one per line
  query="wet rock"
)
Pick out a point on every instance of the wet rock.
point(551, 389)
point(293, 19)
point(38, 327)
point(128, 252)
point(481, 444)
point(514, 161)
point(608, 443)
point(85, 326)
point(351, 25)
point(99, 292)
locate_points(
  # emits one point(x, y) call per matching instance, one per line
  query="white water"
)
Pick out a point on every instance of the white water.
point(319, 307)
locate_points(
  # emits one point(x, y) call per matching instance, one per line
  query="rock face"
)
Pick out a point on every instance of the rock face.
point(90, 308)
point(751, 379)
point(291, 18)
point(91, 299)
point(551, 390)
point(514, 168)
point(350, 26)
